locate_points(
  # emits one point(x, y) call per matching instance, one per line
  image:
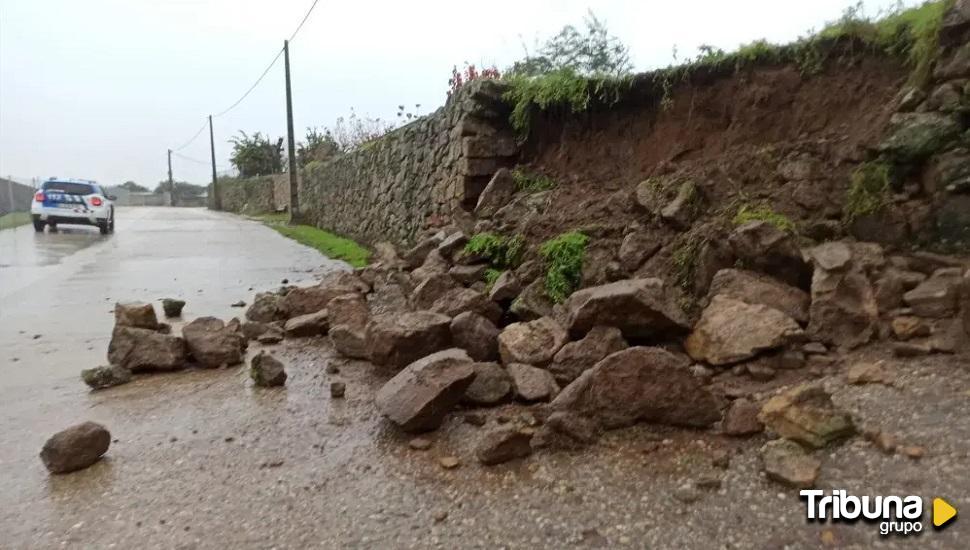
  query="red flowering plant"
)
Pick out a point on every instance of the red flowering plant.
point(470, 73)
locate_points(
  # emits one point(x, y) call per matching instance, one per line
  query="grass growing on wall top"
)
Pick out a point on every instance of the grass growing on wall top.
point(14, 219)
point(330, 245)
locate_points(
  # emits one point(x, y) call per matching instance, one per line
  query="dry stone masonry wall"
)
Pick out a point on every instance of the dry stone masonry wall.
point(423, 174)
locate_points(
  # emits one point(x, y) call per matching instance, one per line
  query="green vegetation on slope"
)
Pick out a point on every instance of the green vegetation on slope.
point(531, 182)
point(909, 34)
point(500, 251)
point(14, 219)
point(564, 256)
point(332, 246)
point(869, 190)
point(763, 213)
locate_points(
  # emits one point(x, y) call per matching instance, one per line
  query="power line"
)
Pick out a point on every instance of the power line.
point(190, 159)
point(189, 142)
point(305, 17)
point(253, 87)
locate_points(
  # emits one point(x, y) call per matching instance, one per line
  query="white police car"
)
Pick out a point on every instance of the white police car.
point(72, 201)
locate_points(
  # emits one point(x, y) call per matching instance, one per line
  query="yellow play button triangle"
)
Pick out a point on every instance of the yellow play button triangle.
point(942, 512)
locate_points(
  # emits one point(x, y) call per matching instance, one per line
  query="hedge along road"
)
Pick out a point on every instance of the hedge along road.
point(58, 290)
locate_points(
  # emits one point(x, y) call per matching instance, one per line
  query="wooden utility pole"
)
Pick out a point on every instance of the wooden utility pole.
point(291, 139)
point(214, 202)
point(171, 185)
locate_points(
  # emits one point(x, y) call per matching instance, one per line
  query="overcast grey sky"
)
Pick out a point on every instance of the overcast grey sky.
point(100, 89)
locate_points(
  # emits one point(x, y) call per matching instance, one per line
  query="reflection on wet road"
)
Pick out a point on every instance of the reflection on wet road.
point(57, 290)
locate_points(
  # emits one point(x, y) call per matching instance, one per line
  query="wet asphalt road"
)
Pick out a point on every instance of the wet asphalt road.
point(202, 459)
point(57, 290)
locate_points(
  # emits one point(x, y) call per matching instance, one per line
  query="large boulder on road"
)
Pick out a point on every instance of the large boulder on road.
point(396, 340)
point(75, 448)
point(730, 331)
point(267, 371)
point(141, 350)
point(138, 315)
point(806, 414)
point(640, 308)
point(640, 384)
point(460, 300)
point(418, 398)
point(212, 343)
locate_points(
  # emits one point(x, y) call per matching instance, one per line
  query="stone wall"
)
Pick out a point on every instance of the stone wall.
point(248, 195)
point(423, 174)
point(14, 197)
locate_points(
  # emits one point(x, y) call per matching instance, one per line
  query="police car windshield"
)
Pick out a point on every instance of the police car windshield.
point(68, 187)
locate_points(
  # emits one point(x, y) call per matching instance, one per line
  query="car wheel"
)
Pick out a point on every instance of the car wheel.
point(103, 227)
point(38, 226)
point(111, 222)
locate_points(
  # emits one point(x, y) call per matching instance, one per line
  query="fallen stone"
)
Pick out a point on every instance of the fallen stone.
point(311, 299)
point(936, 297)
point(741, 418)
point(311, 324)
point(730, 331)
point(267, 371)
point(869, 373)
point(640, 384)
point(790, 360)
point(532, 303)
point(767, 249)
point(476, 335)
point(504, 444)
point(492, 385)
point(75, 448)
point(636, 248)
point(137, 315)
point(252, 330)
point(532, 383)
point(468, 274)
point(807, 415)
point(140, 350)
point(754, 288)
point(533, 343)
point(912, 451)
point(417, 255)
point(787, 463)
point(814, 348)
point(475, 419)
point(566, 430)
point(680, 212)
point(430, 289)
point(172, 307)
point(100, 378)
point(265, 308)
point(452, 244)
point(760, 372)
point(213, 344)
point(386, 256)
point(337, 390)
point(272, 335)
point(418, 398)
point(907, 327)
point(577, 357)
point(420, 444)
point(506, 288)
point(844, 310)
point(496, 194)
point(908, 349)
point(687, 493)
point(640, 308)
point(883, 441)
point(434, 264)
point(449, 463)
point(459, 300)
point(348, 319)
point(396, 340)
point(238, 303)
